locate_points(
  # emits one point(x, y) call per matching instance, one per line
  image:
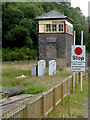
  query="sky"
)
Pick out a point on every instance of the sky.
point(83, 4)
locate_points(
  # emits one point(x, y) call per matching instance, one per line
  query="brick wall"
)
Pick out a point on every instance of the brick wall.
point(69, 43)
point(55, 46)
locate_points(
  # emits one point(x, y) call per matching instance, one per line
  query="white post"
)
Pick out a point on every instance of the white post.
point(74, 37)
point(73, 81)
point(77, 78)
point(81, 44)
point(81, 81)
point(82, 38)
point(74, 72)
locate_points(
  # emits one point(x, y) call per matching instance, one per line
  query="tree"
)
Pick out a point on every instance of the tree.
point(19, 27)
point(18, 37)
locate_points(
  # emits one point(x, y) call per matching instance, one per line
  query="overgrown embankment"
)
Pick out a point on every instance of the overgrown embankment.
point(34, 85)
point(74, 105)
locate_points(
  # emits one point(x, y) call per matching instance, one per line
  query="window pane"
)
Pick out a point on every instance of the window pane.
point(48, 27)
point(69, 29)
point(54, 27)
point(60, 27)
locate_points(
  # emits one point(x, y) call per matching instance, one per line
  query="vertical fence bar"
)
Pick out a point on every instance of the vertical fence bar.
point(43, 105)
point(54, 102)
point(23, 112)
point(27, 110)
point(62, 91)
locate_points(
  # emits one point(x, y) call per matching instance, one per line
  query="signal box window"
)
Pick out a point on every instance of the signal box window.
point(54, 28)
point(48, 27)
point(61, 27)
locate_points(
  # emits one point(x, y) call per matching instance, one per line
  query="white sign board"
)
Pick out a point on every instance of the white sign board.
point(41, 67)
point(52, 67)
point(78, 58)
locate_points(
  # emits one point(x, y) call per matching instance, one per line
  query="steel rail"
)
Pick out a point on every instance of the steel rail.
point(14, 101)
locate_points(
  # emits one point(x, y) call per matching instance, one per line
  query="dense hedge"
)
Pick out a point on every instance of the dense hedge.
point(18, 54)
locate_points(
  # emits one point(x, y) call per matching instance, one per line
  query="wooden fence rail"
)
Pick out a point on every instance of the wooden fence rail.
point(45, 103)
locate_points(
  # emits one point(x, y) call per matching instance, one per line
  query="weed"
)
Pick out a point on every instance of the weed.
point(60, 69)
point(79, 116)
point(2, 96)
point(32, 90)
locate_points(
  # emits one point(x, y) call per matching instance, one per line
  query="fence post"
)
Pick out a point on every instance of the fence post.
point(72, 81)
point(67, 86)
point(54, 102)
point(43, 104)
point(27, 111)
point(62, 91)
point(76, 77)
point(79, 77)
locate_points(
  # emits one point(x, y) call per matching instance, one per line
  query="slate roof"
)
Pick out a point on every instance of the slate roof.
point(52, 15)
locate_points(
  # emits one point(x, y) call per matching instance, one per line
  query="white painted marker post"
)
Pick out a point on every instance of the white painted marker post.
point(81, 44)
point(74, 72)
point(77, 78)
point(81, 81)
point(74, 37)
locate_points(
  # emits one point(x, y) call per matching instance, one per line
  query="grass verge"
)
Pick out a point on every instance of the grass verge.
point(34, 85)
point(73, 106)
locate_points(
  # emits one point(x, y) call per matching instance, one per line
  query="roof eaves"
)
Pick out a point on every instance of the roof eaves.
point(70, 20)
point(45, 18)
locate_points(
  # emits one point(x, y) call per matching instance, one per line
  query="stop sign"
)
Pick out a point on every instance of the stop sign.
point(78, 51)
point(78, 58)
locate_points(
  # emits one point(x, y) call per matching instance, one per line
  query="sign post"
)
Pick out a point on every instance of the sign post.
point(81, 81)
point(74, 71)
point(81, 44)
point(78, 59)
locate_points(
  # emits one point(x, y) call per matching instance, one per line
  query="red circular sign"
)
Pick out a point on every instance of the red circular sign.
point(78, 51)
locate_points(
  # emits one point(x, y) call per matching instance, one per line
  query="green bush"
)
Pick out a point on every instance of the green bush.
point(18, 54)
point(6, 54)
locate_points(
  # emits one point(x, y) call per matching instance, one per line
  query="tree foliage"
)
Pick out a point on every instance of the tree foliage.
point(19, 27)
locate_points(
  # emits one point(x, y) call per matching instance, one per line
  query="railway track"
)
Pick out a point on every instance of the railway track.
point(13, 101)
point(9, 105)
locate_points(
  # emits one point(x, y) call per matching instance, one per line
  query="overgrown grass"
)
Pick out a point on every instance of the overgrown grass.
point(75, 105)
point(87, 53)
point(34, 85)
point(2, 96)
point(12, 74)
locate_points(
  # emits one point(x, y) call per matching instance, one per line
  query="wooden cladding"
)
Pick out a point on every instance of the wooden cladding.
point(55, 27)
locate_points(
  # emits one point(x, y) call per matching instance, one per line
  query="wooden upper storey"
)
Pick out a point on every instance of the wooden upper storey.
point(54, 22)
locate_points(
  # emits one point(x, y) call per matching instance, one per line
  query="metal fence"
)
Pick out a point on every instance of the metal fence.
point(45, 103)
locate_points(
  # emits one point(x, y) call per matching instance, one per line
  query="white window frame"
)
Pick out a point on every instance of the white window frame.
point(57, 28)
point(49, 29)
point(63, 27)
